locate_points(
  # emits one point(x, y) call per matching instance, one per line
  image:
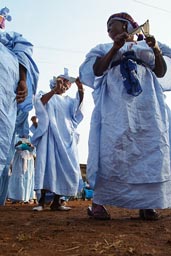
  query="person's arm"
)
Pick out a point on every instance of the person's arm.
point(34, 121)
point(22, 86)
point(80, 89)
point(56, 90)
point(102, 64)
point(46, 97)
point(160, 64)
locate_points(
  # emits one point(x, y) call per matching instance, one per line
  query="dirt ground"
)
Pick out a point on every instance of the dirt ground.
point(48, 233)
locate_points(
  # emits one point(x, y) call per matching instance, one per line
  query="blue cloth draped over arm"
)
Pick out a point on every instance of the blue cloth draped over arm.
point(23, 50)
point(22, 125)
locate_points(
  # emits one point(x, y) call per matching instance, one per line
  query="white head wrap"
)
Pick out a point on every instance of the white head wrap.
point(65, 75)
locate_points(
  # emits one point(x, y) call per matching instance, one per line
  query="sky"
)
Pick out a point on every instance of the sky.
point(64, 31)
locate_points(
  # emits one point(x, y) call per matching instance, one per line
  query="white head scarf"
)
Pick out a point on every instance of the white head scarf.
point(65, 75)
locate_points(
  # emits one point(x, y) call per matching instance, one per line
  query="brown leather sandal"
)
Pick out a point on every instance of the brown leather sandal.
point(98, 212)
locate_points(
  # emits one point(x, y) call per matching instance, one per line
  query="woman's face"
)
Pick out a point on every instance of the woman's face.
point(115, 27)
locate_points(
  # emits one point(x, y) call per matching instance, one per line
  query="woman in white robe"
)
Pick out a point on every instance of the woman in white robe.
point(57, 166)
point(129, 151)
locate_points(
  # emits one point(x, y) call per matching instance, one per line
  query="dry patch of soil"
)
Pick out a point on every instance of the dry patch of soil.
point(47, 233)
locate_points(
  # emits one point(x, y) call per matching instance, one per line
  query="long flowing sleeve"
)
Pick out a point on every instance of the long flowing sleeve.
point(23, 50)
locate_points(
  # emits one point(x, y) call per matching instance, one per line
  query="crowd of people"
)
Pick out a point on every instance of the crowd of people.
point(129, 143)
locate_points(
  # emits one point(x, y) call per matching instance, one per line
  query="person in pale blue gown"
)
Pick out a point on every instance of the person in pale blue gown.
point(57, 168)
point(21, 182)
point(129, 151)
point(18, 82)
point(49, 196)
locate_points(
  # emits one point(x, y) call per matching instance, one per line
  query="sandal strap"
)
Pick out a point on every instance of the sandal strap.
point(98, 212)
point(149, 214)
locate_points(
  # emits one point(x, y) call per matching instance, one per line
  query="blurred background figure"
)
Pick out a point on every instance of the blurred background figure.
point(21, 183)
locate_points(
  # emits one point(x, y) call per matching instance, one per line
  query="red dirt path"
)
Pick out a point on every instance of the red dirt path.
point(27, 233)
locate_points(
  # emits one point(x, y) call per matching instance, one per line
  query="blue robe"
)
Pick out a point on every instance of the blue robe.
point(129, 150)
point(57, 166)
point(14, 49)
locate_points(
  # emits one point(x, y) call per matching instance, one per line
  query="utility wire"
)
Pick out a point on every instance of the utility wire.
point(82, 52)
point(152, 6)
point(59, 49)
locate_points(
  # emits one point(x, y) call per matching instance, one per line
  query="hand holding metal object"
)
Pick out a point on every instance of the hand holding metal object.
point(144, 28)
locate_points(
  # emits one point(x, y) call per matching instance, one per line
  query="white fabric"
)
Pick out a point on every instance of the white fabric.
point(129, 149)
point(21, 183)
point(57, 163)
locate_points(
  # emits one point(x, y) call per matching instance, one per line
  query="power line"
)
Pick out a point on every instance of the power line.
point(152, 6)
point(59, 49)
point(49, 62)
point(82, 52)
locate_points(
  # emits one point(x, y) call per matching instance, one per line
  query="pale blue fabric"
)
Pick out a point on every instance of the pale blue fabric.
point(57, 164)
point(129, 150)
point(9, 77)
point(32, 128)
point(169, 116)
point(4, 181)
point(14, 49)
point(4, 178)
point(22, 124)
point(22, 129)
point(23, 49)
point(165, 81)
point(21, 183)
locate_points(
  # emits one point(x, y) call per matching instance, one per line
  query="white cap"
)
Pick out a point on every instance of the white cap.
point(66, 76)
